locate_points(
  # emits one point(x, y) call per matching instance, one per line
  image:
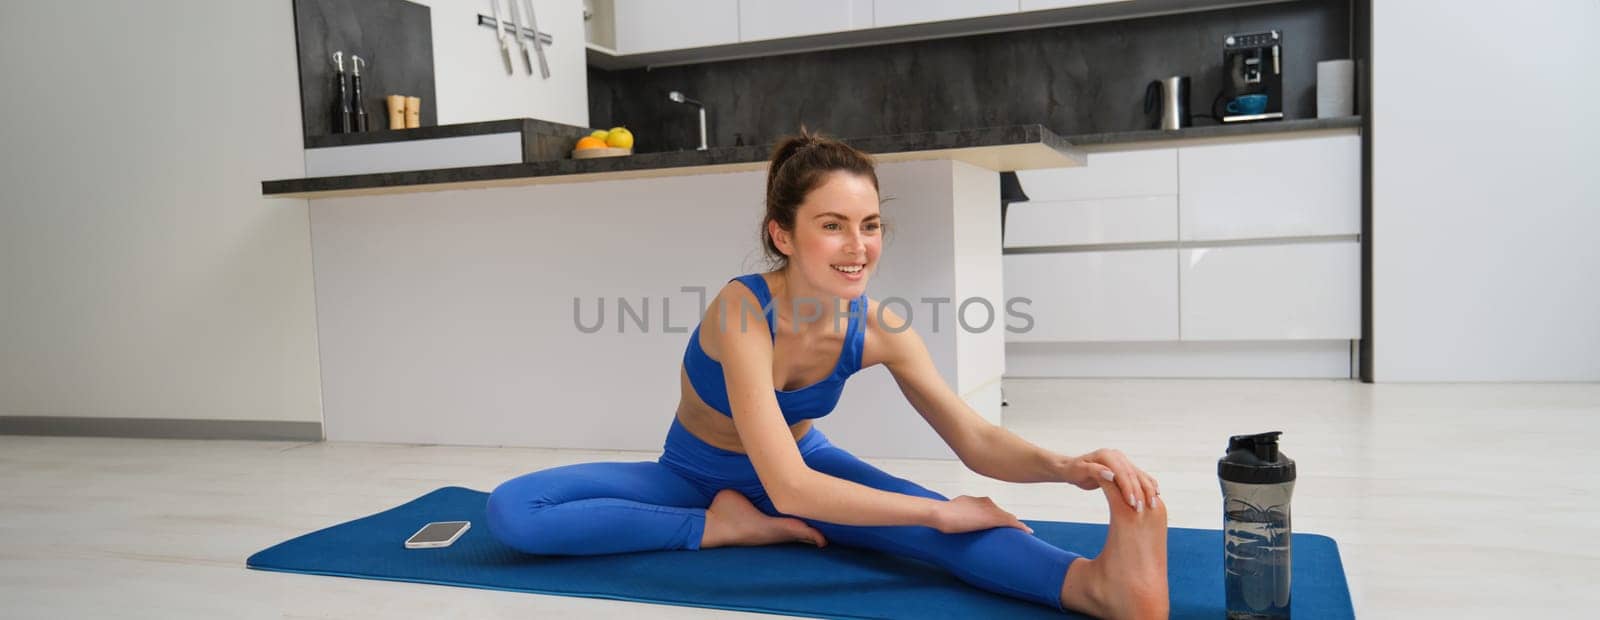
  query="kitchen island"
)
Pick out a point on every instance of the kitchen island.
point(548, 303)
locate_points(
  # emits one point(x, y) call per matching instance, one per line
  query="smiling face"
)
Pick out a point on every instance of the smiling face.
point(836, 238)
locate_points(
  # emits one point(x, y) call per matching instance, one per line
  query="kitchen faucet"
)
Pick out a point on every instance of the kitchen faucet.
point(678, 97)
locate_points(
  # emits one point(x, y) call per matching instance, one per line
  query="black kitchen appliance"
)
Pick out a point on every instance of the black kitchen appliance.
point(1252, 82)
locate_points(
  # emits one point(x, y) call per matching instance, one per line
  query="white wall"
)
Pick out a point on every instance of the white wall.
point(1486, 204)
point(141, 272)
point(470, 79)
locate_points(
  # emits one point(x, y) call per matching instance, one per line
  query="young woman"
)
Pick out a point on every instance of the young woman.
point(743, 464)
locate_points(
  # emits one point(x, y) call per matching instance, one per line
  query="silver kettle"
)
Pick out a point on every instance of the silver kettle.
point(1166, 102)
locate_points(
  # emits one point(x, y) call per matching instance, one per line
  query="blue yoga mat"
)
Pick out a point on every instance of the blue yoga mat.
point(790, 579)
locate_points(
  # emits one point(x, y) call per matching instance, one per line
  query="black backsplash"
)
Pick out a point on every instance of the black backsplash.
point(394, 37)
point(1085, 78)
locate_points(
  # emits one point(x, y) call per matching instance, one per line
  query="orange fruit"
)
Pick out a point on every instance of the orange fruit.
point(590, 142)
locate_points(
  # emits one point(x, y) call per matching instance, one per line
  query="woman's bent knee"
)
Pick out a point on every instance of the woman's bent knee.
point(513, 519)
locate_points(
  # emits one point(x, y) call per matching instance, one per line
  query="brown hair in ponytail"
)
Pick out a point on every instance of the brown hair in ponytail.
point(799, 164)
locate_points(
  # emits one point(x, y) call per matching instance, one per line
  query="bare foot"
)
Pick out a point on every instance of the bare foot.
point(732, 521)
point(1129, 578)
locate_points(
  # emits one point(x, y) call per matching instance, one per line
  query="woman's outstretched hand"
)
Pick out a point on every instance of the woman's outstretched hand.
point(969, 514)
point(1090, 471)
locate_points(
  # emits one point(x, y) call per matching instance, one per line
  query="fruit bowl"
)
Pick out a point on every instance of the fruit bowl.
point(615, 142)
point(604, 151)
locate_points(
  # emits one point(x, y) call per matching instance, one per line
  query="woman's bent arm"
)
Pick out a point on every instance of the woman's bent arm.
point(822, 497)
point(793, 487)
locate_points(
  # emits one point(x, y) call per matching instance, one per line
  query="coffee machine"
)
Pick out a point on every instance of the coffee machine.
point(1252, 84)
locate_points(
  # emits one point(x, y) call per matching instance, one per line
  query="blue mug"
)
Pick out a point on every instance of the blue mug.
point(1248, 104)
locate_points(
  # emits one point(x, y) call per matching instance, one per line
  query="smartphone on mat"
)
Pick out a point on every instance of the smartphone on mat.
point(437, 534)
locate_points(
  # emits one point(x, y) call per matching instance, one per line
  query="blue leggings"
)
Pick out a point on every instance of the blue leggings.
point(616, 507)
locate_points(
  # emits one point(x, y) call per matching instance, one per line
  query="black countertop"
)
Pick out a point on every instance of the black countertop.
point(896, 144)
point(510, 125)
point(718, 156)
point(1116, 138)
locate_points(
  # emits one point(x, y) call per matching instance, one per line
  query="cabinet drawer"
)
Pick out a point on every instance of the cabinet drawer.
point(1094, 296)
point(1106, 175)
point(1279, 188)
point(1104, 220)
point(1306, 291)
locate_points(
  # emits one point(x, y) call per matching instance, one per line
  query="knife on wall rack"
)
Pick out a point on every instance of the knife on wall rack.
point(516, 19)
point(488, 22)
point(538, 48)
point(500, 33)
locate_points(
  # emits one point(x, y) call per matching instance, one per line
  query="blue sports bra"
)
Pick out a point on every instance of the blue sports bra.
point(813, 401)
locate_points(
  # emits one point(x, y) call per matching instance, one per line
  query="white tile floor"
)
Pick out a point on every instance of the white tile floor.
point(1447, 500)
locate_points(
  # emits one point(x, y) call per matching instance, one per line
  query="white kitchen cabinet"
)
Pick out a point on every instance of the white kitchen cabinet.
point(1127, 295)
point(776, 19)
point(1122, 174)
point(653, 26)
point(1040, 5)
point(1303, 291)
point(1277, 188)
point(1087, 222)
point(900, 12)
point(644, 33)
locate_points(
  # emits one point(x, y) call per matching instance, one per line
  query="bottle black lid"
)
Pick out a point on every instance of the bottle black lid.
point(1255, 459)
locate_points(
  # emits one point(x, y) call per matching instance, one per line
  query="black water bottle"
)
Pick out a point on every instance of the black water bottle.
point(355, 97)
point(1257, 483)
point(342, 121)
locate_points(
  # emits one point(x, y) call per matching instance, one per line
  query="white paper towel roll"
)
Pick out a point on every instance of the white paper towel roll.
point(1336, 86)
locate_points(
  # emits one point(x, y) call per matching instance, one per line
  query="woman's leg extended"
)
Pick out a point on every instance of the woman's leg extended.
point(1004, 560)
point(598, 508)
